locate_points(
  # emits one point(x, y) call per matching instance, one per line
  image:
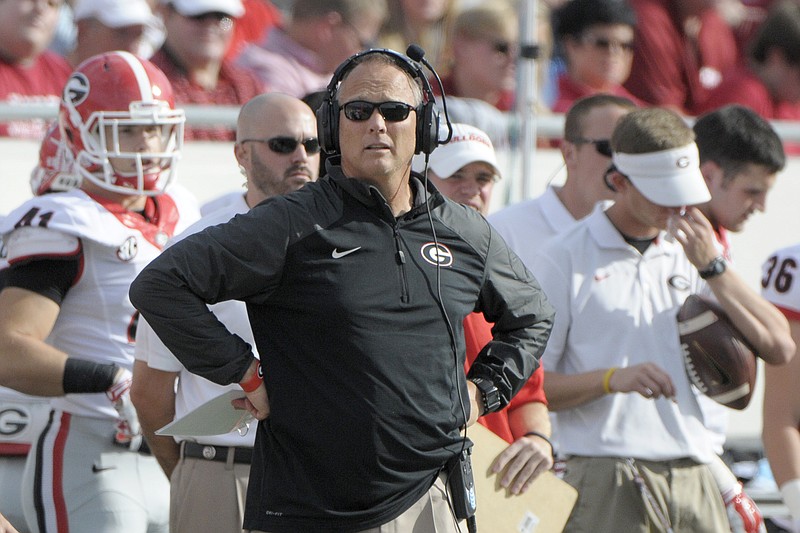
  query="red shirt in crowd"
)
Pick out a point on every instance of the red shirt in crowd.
point(478, 333)
point(671, 68)
point(259, 17)
point(570, 90)
point(40, 82)
point(235, 86)
point(741, 86)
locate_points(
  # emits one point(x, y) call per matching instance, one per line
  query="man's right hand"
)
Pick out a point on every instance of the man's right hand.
point(648, 379)
point(256, 400)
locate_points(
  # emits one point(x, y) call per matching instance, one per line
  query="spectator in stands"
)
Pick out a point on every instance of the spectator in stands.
point(259, 17)
point(484, 53)
point(321, 34)
point(107, 25)
point(192, 57)
point(28, 71)
point(769, 83)
point(423, 22)
point(682, 48)
point(596, 38)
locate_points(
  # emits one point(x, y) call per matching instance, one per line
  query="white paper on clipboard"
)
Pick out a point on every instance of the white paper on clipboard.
point(215, 417)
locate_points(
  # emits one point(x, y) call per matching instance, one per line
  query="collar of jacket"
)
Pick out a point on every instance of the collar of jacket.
point(371, 197)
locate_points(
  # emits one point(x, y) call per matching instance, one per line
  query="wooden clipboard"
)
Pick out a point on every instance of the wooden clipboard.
point(544, 508)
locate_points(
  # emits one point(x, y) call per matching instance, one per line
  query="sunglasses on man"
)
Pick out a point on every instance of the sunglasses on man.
point(361, 110)
point(603, 146)
point(287, 145)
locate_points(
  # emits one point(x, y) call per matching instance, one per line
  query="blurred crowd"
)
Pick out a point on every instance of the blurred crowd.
point(689, 55)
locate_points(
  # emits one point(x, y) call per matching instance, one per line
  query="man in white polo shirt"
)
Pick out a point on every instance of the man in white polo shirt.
point(629, 421)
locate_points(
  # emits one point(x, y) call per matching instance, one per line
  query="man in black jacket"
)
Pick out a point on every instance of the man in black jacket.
point(356, 287)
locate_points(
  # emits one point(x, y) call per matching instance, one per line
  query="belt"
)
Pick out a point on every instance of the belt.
point(216, 453)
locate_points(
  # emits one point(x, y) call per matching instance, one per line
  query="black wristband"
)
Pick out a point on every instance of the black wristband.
point(544, 438)
point(81, 376)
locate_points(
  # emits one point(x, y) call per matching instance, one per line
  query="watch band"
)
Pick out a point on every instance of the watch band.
point(491, 396)
point(717, 266)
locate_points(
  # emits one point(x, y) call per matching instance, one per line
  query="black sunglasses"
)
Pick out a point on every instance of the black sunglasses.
point(287, 145)
point(609, 45)
point(603, 146)
point(361, 110)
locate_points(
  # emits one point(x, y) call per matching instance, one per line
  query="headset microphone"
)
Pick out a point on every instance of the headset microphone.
point(416, 53)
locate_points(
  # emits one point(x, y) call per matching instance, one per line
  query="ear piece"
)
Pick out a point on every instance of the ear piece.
point(427, 130)
point(242, 171)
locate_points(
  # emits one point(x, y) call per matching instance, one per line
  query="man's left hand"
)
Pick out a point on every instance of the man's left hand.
point(522, 462)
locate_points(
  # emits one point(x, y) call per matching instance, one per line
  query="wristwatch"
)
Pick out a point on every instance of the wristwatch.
point(491, 396)
point(716, 267)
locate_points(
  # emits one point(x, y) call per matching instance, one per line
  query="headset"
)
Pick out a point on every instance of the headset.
point(427, 137)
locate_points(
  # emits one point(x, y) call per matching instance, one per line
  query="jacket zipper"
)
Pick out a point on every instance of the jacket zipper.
point(400, 258)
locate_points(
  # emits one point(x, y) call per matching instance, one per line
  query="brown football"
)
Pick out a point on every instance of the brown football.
point(718, 359)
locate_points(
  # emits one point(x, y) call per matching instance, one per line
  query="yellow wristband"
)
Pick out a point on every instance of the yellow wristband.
point(607, 380)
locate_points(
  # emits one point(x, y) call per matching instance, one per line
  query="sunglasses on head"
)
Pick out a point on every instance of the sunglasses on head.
point(287, 145)
point(361, 110)
point(609, 45)
point(603, 146)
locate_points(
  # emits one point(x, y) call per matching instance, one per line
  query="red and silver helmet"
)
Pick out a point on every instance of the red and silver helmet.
point(107, 94)
point(54, 171)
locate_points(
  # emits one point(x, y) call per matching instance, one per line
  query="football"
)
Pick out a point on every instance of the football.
point(718, 359)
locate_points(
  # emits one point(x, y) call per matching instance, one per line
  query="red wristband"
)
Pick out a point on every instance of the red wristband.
point(255, 380)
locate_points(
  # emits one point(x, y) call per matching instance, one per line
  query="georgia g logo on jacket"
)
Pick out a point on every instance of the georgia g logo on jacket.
point(437, 254)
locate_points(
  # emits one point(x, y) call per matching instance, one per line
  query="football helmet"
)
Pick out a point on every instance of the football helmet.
point(109, 99)
point(54, 171)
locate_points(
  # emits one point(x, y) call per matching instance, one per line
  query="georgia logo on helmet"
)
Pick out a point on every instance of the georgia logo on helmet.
point(104, 97)
point(54, 172)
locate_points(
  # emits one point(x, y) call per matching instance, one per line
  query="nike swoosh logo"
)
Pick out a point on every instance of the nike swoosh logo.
point(336, 254)
point(97, 469)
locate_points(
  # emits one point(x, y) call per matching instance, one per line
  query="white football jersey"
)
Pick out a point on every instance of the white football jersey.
point(97, 321)
point(780, 282)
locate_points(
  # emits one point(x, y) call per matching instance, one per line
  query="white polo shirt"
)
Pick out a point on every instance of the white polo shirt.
point(193, 390)
point(617, 308)
point(525, 226)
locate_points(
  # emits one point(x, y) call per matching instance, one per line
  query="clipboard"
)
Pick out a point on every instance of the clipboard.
point(215, 417)
point(544, 508)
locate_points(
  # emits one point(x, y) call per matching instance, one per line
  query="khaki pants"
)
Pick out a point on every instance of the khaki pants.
point(207, 496)
point(610, 501)
point(430, 514)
